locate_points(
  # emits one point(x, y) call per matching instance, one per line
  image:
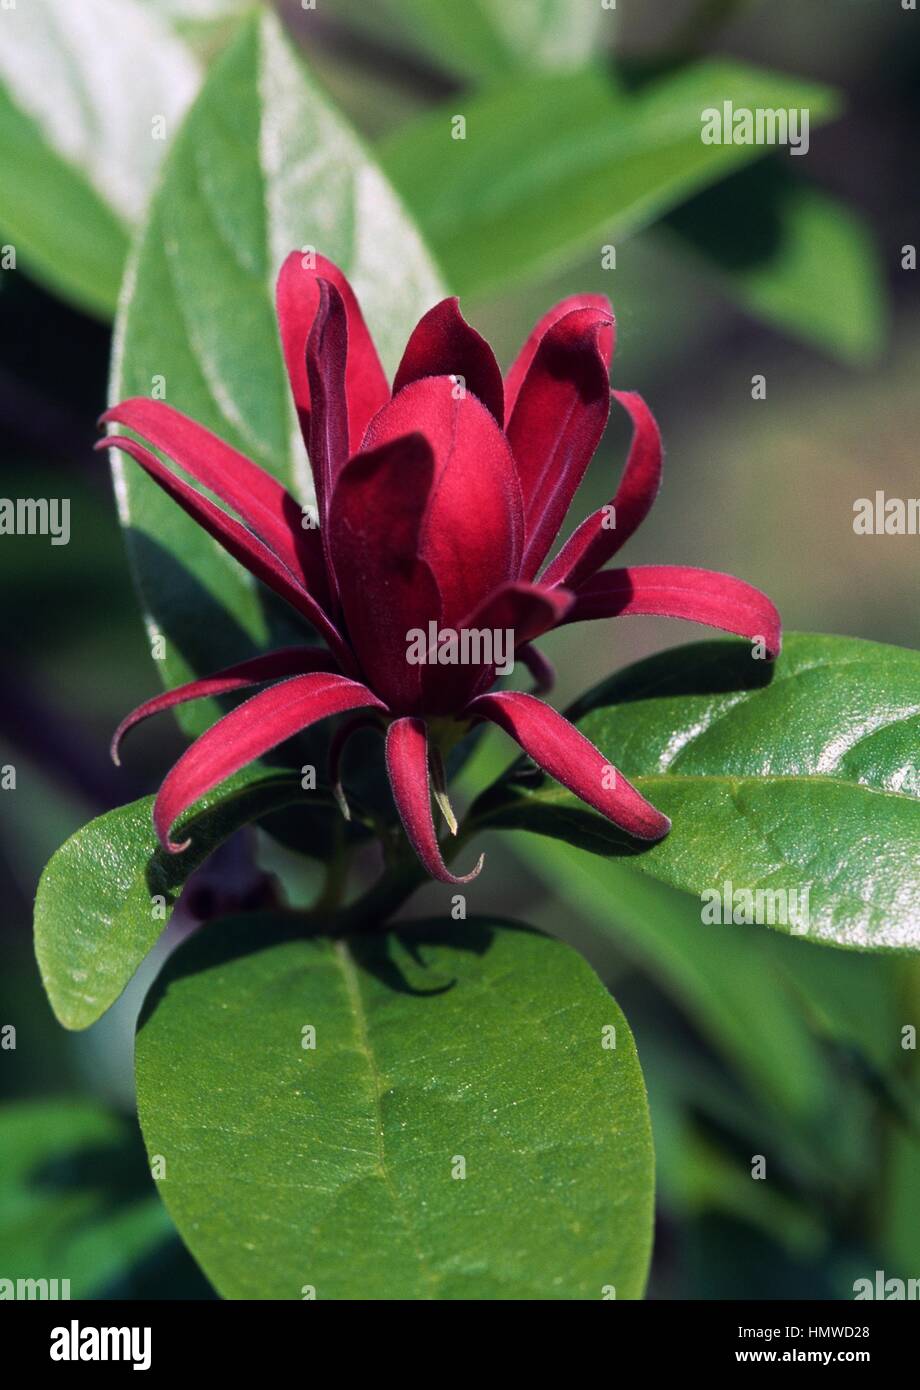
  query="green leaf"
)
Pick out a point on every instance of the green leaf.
point(793, 256)
point(755, 996)
point(334, 1166)
point(95, 918)
point(726, 980)
point(78, 145)
point(800, 777)
point(487, 39)
point(71, 1205)
point(551, 166)
point(263, 165)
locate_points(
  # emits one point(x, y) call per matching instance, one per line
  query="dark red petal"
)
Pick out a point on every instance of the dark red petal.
point(386, 587)
point(471, 534)
point(259, 500)
point(557, 423)
point(444, 344)
point(236, 540)
point(337, 744)
point(519, 367)
point(289, 661)
point(596, 541)
point(327, 352)
point(407, 765)
point(528, 609)
point(297, 299)
point(680, 591)
point(540, 667)
point(563, 752)
point(247, 732)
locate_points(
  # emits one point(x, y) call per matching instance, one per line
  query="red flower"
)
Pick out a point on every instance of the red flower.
point(437, 505)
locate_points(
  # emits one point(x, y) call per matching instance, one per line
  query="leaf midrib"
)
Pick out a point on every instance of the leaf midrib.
point(351, 978)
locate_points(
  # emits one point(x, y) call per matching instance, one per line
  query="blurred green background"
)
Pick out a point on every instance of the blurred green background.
point(752, 1043)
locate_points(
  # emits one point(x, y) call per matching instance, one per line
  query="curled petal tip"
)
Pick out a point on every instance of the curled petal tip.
point(473, 873)
point(115, 745)
point(161, 825)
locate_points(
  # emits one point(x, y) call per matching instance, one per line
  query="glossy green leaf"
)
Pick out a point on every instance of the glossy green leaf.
point(724, 979)
point(551, 167)
point(75, 1197)
point(801, 778)
point(79, 148)
point(487, 39)
point(448, 1047)
point(263, 165)
point(106, 895)
point(756, 996)
point(793, 256)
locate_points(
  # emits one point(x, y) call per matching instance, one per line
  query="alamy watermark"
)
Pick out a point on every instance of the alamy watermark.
point(886, 516)
point(765, 907)
point(470, 646)
point(740, 125)
point(76, 1343)
point(881, 1287)
point(36, 516)
point(34, 1289)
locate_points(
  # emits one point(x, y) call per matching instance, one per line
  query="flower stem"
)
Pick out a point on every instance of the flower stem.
point(330, 899)
point(372, 911)
point(402, 876)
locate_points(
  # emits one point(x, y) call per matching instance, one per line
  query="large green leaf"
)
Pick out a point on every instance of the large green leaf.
point(75, 1197)
point(552, 166)
point(338, 1167)
point(807, 1032)
point(793, 256)
point(727, 982)
point(95, 911)
point(799, 777)
point(487, 39)
point(263, 165)
point(81, 90)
